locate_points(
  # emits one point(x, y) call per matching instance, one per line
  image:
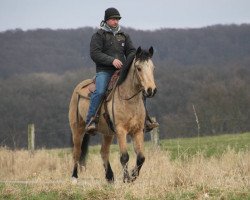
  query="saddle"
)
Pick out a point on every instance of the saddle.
point(88, 87)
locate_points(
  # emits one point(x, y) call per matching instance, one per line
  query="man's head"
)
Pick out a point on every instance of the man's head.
point(112, 17)
point(111, 13)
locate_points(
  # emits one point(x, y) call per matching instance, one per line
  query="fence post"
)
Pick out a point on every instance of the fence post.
point(155, 135)
point(31, 138)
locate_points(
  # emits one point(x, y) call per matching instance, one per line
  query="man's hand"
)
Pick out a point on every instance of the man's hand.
point(117, 63)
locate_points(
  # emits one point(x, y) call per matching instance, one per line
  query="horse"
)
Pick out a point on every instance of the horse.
point(127, 114)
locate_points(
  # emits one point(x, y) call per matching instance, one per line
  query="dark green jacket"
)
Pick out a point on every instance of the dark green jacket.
point(105, 47)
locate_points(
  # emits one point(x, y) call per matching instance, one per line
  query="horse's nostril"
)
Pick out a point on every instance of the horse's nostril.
point(155, 90)
point(149, 91)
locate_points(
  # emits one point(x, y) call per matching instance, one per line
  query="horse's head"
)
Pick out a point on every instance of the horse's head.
point(144, 69)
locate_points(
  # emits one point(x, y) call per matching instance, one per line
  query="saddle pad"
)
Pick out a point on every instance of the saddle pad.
point(86, 87)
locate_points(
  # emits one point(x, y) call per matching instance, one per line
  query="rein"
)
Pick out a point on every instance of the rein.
point(129, 98)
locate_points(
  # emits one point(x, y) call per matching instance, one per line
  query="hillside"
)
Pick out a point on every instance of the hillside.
point(207, 69)
point(46, 50)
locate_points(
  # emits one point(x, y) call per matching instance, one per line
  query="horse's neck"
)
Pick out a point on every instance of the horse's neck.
point(129, 87)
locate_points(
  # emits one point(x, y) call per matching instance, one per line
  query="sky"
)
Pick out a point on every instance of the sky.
point(138, 14)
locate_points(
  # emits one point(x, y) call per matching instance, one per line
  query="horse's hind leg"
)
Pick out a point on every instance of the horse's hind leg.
point(106, 142)
point(138, 140)
point(77, 141)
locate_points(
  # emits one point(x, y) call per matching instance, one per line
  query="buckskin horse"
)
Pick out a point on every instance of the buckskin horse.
point(126, 111)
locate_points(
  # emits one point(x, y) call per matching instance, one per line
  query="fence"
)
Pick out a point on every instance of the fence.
point(31, 137)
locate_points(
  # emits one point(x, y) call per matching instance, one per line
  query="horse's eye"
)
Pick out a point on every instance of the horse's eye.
point(139, 69)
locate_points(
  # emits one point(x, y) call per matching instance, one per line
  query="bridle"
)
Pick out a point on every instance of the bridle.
point(140, 87)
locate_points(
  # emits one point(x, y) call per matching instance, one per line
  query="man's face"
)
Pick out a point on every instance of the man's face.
point(113, 22)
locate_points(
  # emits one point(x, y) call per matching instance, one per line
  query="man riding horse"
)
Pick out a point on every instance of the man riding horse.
point(109, 49)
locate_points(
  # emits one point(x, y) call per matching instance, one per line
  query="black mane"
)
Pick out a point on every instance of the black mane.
point(142, 56)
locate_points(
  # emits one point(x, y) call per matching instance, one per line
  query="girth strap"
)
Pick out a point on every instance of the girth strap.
point(107, 117)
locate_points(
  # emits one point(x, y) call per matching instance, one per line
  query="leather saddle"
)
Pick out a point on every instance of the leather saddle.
point(88, 87)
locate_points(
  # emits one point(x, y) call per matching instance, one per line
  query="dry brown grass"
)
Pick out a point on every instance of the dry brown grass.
point(198, 177)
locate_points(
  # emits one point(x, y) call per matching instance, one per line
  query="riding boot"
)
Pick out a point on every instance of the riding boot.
point(150, 124)
point(91, 126)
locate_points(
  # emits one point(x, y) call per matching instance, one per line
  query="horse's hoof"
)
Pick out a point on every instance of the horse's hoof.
point(110, 181)
point(133, 178)
point(82, 167)
point(126, 180)
point(134, 175)
point(74, 181)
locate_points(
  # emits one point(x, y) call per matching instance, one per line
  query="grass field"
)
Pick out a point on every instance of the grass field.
point(215, 167)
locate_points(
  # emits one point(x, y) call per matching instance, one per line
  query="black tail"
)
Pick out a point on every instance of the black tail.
point(84, 148)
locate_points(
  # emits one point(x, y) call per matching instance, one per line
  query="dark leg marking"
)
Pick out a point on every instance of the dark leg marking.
point(124, 161)
point(109, 173)
point(75, 171)
point(139, 162)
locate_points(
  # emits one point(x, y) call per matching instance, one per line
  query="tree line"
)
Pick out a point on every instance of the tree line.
point(201, 74)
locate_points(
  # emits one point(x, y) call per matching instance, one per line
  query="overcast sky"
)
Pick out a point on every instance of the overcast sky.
point(138, 14)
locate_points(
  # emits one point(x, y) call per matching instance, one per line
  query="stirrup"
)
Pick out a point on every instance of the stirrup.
point(91, 127)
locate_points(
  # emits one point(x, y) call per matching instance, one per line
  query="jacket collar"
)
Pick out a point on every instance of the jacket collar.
point(104, 26)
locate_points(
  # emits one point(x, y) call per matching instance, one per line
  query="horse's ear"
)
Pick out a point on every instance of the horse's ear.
point(151, 51)
point(138, 52)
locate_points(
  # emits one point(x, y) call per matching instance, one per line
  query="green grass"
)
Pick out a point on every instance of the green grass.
point(108, 192)
point(207, 146)
point(26, 192)
point(184, 147)
point(187, 147)
point(212, 194)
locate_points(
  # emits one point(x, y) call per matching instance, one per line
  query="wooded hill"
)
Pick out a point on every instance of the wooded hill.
point(206, 69)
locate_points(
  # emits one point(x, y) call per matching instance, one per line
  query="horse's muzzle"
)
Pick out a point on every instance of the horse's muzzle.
point(149, 92)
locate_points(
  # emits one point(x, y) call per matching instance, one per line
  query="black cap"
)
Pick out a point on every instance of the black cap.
point(111, 13)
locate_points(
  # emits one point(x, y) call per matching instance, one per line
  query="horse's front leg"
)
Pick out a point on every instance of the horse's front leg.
point(124, 157)
point(138, 140)
point(106, 142)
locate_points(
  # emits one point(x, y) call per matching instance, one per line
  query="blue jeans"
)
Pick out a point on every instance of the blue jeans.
point(101, 81)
